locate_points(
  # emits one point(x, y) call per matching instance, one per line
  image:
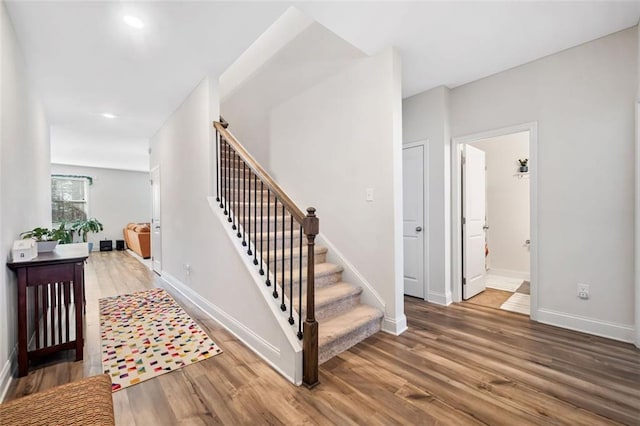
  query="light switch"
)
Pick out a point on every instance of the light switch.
point(369, 194)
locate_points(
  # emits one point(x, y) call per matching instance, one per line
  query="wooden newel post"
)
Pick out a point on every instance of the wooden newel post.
point(311, 227)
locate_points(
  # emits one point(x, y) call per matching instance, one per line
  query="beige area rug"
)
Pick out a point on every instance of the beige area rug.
point(147, 334)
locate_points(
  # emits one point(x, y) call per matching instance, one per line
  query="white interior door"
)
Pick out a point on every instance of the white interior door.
point(413, 220)
point(156, 225)
point(473, 220)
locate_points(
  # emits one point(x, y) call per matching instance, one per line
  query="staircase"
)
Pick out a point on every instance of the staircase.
point(280, 239)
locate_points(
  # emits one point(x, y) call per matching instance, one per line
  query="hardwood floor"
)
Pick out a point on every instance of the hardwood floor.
point(457, 365)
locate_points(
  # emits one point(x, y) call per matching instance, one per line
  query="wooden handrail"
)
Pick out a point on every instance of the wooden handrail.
point(232, 160)
point(261, 173)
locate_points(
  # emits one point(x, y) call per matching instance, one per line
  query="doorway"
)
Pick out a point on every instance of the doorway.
point(494, 219)
point(414, 223)
point(156, 225)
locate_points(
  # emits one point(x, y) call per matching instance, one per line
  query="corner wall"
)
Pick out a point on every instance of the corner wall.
point(583, 101)
point(193, 234)
point(331, 142)
point(25, 192)
point(426, 117)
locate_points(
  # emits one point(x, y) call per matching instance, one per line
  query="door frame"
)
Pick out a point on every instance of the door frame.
point(154, 170)
point(456, 206)
point(424, 143)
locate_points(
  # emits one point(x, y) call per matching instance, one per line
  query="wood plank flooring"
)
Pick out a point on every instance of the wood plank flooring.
point(457, 365)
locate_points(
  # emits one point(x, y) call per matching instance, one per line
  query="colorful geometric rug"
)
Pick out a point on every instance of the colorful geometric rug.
point(147, 334)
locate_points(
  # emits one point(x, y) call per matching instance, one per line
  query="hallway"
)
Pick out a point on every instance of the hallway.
point(455, 365)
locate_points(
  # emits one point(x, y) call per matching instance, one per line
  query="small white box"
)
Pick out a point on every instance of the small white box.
point(24, 250)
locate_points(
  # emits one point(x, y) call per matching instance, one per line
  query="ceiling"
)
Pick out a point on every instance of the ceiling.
point(84, 61)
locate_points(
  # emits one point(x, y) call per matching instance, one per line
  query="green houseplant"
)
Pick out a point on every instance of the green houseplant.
point(39, 234)
point(48, 239)
point(62, 234)
point(83, 227)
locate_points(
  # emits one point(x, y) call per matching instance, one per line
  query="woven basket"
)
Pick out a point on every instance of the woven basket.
point(85, 402)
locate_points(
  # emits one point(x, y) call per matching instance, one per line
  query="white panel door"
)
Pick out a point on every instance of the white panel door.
point(156, 225)
point(413, 220)
point(473, 221)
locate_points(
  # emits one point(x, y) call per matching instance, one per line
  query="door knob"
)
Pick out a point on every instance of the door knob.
point(418, 228)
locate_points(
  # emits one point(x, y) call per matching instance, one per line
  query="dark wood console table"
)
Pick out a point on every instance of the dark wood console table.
point(50, 303)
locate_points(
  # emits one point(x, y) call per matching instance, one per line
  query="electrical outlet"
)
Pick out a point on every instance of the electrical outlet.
point(187, 268)
point(583, 291)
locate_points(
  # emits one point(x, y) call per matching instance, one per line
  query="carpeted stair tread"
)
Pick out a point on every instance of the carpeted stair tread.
point(341, 332)
point(324, 274)
point(331, 293)
point(333, 299)
point(295, 252)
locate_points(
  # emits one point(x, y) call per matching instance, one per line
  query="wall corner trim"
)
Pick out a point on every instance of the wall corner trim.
point(395, 326)
point(439, 298)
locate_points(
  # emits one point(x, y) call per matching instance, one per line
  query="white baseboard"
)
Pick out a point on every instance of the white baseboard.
point(521, 275)
point(6, 374)
point(610, 330)
point(395, 326)
point(439, 298)
point(257, 344)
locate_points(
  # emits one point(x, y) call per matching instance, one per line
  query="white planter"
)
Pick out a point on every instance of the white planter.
point(46, 246)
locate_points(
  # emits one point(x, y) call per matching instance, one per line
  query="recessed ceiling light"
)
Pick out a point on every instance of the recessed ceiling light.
point(133, 21)
point(108, 115)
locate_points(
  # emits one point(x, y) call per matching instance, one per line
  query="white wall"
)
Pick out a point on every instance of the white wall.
point(425, 116)
point(330, 143)
point(583, 100)
point(193, 234)
point(304, 60)
point(24, 177)
point(116, 198)
point(507, 204)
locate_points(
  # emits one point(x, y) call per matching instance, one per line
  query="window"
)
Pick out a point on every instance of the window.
point(69, 201)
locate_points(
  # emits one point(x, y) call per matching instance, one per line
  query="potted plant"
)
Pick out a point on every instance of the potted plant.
point(83, 227)
point(524, 168)
point(48, 239)
point(62, 234)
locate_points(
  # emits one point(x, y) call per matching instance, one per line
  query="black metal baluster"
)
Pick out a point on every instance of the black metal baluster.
point(300, 289)
point(217, 168)
point(261, 227)
point(268, 282)
point(234, 193)
point(291, 270)
point(226, 177)
point(275, 247)
point(283, 307)
point(255, 219)
point(241, 200)
point(230, 183)
point(222, 163)
point(249, 209)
